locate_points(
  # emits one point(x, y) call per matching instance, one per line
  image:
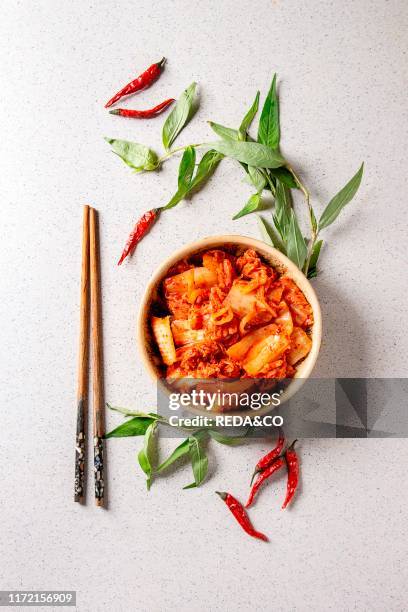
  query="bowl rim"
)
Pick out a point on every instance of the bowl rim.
point(212, 242)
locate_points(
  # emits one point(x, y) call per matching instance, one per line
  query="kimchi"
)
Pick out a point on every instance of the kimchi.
point(231, 316)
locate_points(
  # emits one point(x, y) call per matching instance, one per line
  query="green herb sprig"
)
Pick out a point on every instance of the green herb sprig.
point(264, 166)
point(193, 447)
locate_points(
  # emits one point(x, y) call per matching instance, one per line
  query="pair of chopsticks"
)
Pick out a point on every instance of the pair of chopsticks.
point(90, 271)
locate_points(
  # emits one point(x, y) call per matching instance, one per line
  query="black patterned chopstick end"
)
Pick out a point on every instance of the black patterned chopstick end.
point(79, 486)
point(98, 471)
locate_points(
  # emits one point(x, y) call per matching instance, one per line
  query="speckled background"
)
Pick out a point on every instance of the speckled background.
point(343, 79)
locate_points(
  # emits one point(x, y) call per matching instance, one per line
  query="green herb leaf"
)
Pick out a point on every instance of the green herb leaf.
point(206, 167)
point(134, 427)
point(178, 196)
point(186, 168)
point(224, 132)
point(315, 253)
point(186, 184)
point(285, 177)
point(283, 207)
point(180, 451)
point(257, 178)
point(279, 228)
point(199, 461)
point(137, 156)
point(252, 205)
point(336, 205)
point(179, 116)
point(249, 117)
point(269, 235)
point(144, 456)
point(251, 153)
point(270, 181)
point(268, 131)
point(296, 248)
point(313, 220)
point(228, 440)
point(312, 272)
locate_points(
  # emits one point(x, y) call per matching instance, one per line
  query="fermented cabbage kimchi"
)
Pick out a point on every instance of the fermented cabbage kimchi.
point(230, 317)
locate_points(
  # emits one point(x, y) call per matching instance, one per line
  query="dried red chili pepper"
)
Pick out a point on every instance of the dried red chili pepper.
point(238, 510)
point(270, 457)
point(292, 462)
point(147, 78)
point(141, 228)
point(143, 114)
point(267, 473)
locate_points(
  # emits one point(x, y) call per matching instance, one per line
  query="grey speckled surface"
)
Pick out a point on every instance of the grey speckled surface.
point(343, 69)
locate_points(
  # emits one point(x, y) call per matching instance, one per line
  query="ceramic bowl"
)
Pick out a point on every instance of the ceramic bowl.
point(147, 350)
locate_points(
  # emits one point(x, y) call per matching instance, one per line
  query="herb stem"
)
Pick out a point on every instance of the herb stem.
point(305, 192)
point(177, 150)
point(157, 418)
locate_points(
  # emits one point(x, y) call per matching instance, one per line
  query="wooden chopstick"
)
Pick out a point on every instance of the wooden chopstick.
point(82, 391)
point(97, 373)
